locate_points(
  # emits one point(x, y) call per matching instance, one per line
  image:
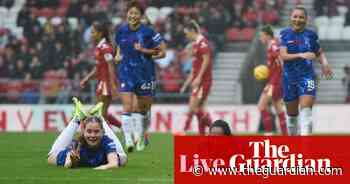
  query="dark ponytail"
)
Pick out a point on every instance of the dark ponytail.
point(103, 27)
point(268, 30)
point(193, 25)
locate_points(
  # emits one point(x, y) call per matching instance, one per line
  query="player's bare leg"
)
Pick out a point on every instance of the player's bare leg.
point(203, 116)
point(263, 106)
point(306, 103)
point(292, 117)
point(127, 100)
point(106, 100)
point(193, 109)
point(197, 107)
point(278, 105)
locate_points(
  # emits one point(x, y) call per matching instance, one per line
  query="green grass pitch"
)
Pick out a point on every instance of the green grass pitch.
point(23, 161)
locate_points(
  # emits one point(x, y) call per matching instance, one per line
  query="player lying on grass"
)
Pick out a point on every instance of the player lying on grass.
point(96, 147)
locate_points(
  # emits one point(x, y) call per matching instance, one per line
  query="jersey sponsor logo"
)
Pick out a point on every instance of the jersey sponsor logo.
point(122, 85)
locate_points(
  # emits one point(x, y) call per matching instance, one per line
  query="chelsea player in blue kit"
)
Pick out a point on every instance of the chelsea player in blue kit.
point(299, 50)
point(96, 147)
point(138, 44)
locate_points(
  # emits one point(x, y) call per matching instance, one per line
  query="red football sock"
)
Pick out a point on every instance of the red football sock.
point(113, 121)
point(188, 121)
point(283, 125)
point(266, 120)
point(201, 128)
point(204, 120)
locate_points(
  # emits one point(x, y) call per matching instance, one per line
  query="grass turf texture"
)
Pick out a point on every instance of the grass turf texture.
point(23, 160)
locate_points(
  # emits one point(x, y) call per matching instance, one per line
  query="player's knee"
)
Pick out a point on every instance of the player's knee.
point(278, 106)
point(306, 105)
point(143, 109)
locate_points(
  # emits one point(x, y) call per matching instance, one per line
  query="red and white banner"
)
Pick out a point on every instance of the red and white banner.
point(166, 118)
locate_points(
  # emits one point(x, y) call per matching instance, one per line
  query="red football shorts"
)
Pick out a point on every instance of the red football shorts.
point(202, 92)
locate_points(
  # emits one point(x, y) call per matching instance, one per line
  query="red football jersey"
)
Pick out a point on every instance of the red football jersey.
point(199, 48)
point(272, 62)
point(103, 52)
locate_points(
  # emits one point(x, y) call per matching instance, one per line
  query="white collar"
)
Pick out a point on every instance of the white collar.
point(101, 42)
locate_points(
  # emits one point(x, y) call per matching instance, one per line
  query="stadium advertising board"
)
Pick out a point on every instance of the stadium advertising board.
point(165, 118)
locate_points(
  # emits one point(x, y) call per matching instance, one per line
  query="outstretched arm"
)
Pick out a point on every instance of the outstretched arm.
point(112, 159)
point(326, 68)
point(111, 70)
point(88, 77)
point(187, 83)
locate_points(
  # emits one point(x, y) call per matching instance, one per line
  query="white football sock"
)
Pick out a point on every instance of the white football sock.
point(66, 137)
point(138, 125)
point(109, 133)
point(305, 121)
point(127, 129)
point(292, 125)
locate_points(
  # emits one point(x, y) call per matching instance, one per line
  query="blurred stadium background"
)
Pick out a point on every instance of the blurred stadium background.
point(45, 51)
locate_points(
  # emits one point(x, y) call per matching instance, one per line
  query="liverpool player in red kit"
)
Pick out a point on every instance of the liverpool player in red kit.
point(104, 70)
point(273, 88)
point(200, 77)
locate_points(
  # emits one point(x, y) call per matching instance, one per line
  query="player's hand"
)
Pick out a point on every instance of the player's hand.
point(183, 89)
point(196, 82)
point(83, 83)
point(117, 57)
point(308, 55)
point(75, 156)
point(102, 167)
point(138, 47)
point(327, 71)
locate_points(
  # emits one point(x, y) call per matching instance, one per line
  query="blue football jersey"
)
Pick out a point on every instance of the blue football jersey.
point(90, 157)
point(299, 76)
point(299, 42)
point(136, 69)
